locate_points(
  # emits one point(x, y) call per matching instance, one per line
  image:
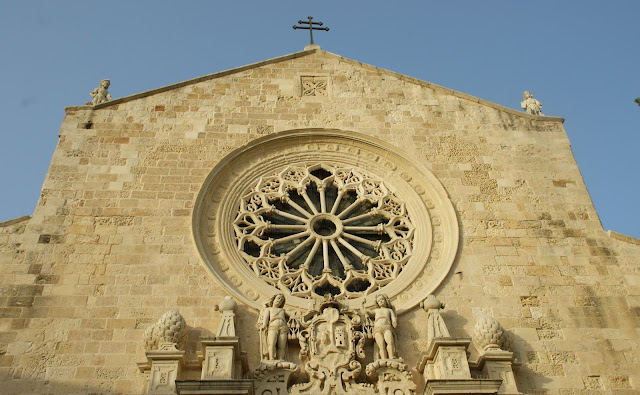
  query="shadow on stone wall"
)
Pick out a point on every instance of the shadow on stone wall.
point(529, 380)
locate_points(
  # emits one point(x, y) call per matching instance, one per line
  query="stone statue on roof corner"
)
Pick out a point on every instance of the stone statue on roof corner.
point(530, 105)
point(100, 94)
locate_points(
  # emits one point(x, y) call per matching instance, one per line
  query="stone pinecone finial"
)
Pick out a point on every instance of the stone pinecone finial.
point(170, 329)
point(488, 334)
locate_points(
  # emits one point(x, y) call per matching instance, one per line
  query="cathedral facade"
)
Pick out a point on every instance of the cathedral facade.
point(311, 224)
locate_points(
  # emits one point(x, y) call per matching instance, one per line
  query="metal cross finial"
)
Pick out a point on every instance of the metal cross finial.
point(311, 28)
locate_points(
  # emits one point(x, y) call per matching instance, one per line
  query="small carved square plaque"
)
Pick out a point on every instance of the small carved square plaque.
point(314, 86)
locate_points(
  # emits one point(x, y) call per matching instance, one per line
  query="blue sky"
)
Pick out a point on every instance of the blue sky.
point(579, 59)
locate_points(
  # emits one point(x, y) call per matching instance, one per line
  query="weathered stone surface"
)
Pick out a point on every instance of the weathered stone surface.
point(109, 247)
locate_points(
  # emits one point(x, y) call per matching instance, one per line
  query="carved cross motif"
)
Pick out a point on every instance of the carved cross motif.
point(314, 86)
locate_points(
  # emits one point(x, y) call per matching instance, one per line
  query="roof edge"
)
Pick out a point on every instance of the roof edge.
point(623, 237)
point(14, 221)
point(452, 92)
point(190, 81)
point(294, 55)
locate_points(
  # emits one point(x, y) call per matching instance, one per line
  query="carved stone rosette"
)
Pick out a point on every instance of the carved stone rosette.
point(314, 85)
point(316, 211)
point(315, 229)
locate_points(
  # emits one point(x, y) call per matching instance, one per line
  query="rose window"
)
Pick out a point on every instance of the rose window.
point(313, 230)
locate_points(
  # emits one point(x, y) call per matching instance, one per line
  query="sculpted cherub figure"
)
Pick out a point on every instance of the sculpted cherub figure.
point(101, 93)
point(385, 323)
point(274, 329)
point(530, 105)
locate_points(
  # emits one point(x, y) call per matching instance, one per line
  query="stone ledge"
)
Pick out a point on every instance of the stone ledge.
point(15, 221)
point(613, 235)
point(226, 387)
point(458, 387)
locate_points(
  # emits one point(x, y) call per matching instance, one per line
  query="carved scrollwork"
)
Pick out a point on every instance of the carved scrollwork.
point(316, 229)
point(314, 86)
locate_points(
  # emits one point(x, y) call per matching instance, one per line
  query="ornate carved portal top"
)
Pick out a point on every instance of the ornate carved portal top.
point(332, 348)
point(333, 341)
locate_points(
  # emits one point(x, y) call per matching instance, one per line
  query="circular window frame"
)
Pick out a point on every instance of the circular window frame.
point(315, 229)
point(436, 227)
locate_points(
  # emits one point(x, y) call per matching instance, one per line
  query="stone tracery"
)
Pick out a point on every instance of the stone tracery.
point(317, 229)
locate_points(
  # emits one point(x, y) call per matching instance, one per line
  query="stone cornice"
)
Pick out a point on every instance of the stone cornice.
point(14, 221)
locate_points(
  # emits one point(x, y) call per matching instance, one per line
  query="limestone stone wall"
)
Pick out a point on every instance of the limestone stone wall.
point(109, 248)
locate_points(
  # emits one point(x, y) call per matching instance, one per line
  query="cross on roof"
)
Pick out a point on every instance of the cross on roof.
point(311, 28)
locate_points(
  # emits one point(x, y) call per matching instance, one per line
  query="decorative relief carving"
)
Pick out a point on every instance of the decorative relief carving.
point(332, 341)
point(311, 230)
point(162, 377)
point(331, 344)
point(391, 377)
point(253, 251)
point(274, 379)
point(314, 86)
point(169, 333)
point(489, 334)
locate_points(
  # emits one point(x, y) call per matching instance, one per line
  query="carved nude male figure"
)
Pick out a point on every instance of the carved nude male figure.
point(384, 328)
point(273, 320)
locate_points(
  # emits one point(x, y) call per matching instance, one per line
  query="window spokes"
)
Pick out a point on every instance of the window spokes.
point(330, 229)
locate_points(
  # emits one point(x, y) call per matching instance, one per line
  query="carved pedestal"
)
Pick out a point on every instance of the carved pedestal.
point(164, 367)
point(446, 358)
point(222, 358)
point(446, 369)
point(496, 364)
